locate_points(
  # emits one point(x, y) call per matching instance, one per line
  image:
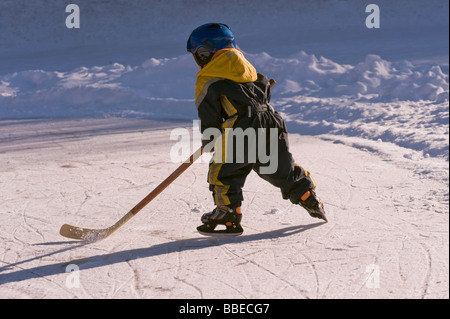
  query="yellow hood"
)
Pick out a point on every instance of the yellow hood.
point(227, 64)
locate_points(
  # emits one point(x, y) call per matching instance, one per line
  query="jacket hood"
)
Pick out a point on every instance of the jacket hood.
point(229, 64)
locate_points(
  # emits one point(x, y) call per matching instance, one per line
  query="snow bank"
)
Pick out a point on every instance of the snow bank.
point(308, 75)
point(376, 99)
point(150, 90)
point(118, 90)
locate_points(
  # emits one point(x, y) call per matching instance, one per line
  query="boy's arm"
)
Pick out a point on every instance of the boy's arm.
point(210, 113)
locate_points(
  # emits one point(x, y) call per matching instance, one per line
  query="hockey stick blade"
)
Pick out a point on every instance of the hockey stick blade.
point(87, 234)
point(84, 234)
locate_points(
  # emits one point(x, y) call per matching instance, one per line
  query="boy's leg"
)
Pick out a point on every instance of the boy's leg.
point(295, 182)
point(292, 179)
point(226, 181)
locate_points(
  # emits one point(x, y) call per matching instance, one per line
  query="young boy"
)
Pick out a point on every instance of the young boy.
point(230, 94)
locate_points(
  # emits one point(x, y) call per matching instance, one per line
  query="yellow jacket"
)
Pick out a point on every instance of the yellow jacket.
point(226, 64)
point(228, 88)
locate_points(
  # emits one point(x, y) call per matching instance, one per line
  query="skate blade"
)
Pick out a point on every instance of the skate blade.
point(320, 216)
point(219, 233)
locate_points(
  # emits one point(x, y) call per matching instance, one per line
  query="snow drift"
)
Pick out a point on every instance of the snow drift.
point(374, 99)
point(116, 86)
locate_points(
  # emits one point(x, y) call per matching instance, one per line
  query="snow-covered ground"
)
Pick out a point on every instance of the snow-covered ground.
point(85, 123)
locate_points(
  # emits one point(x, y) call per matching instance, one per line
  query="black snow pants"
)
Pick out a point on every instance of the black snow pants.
point(227, 177)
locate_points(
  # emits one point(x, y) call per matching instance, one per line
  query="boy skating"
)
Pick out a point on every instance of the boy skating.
point(229, 95)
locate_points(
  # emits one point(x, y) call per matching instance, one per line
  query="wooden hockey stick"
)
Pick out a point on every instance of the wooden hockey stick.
point(88, 234)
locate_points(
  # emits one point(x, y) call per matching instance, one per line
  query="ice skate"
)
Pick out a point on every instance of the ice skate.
point(221, 215)
point(313, 205)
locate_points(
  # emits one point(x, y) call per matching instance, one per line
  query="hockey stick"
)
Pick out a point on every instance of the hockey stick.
point(98, 234)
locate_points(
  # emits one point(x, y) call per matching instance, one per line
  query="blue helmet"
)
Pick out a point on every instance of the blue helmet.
point(207, 39)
